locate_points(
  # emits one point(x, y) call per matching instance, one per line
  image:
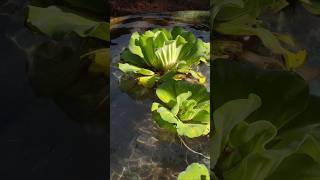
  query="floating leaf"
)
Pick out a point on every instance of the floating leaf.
point(187, 108)
point(195, 171)
point(57, 22)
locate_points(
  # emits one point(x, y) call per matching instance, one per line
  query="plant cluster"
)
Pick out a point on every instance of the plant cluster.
point(164, 58)
point(159, 54)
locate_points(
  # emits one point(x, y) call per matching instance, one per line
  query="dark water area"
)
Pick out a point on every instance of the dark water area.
point(38, 139)
point(138, 148)
point(126, 7)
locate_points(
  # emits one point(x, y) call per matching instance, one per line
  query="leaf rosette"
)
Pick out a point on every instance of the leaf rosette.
point(186, 110)
point(161, 53)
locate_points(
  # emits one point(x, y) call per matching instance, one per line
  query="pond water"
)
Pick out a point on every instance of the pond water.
point(139, 149)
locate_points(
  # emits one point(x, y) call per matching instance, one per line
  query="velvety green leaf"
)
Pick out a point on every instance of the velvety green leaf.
point(162, 50)
point(263, 163)
point(217, 5)
point(166, 119)
point(284, 94)
point(297, 166)
point(127, 68)
point(226, 118)
point(192, 130)
point(189, 115)
point(148, 81)
point(313, 6)
point(101, 62)
point(93, 6)
point(133, 47)
point(132, 59)
point(168, 91)
point(56, 22)
point(195, 171)
point(247, 25)
point(180, 99)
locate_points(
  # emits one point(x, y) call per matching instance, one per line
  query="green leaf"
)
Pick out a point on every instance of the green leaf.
point(195, 171)
point(217, 5)
point(248, 25)
point(168, 91)
point(226, 118)
point(284, 94)
point(188, 109)
point(192, 130)
point(312, 6)
point(161, 50)
point(180, 99)
point(56, 22)
point(127, 68)
point(148, 81)
point(96, 6)
point(101, 61)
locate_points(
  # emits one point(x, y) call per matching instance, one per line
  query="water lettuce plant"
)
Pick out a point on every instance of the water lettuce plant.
point(160, 52)
point(186, 109)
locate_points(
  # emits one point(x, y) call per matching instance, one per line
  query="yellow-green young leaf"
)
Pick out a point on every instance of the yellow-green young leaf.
point(148, 81)
point(295, 60)
point(201, 78)
point(195, 171)
point(56, 22)
point(192, 130)
point(101, 61)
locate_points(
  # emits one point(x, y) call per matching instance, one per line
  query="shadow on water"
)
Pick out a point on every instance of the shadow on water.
point(139, 149)
point(38, 138)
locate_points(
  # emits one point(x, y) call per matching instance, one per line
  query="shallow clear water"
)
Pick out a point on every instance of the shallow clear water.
point(139, 149)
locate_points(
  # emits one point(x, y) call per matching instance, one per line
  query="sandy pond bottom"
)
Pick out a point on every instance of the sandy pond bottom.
point(139, 149)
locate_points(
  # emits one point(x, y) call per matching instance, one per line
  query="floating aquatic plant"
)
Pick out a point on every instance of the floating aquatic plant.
point(161, 52)
point(186, 108)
